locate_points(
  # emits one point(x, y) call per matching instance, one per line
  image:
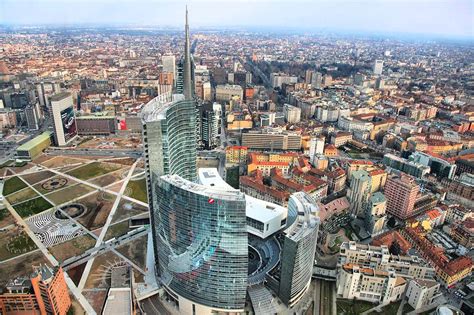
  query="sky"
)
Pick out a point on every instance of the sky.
point(449, 18)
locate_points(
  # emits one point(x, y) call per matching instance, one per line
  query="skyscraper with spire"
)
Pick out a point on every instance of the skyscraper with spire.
point(199, 233)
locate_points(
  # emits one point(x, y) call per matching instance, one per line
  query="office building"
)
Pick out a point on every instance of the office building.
point(292, 113)
point(32, 117)
point(292, 277)
point(360, 185)
point(202, 244)
point(378, 67)
point(443, 168)
point(96, 125)
point(210, 130)
point(407, 166)
point(64, 118)
point(401, 194)
point(267, 140)
point(44, 293)
point(169, 64)
point(375, 213)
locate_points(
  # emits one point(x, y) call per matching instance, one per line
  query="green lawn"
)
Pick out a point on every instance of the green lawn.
point(390, 309)
point(138, 189)
point(117, 230)
point(33, 206)
point(352, 307)
point(92, 170)
point(13, 184)
point(15, 243)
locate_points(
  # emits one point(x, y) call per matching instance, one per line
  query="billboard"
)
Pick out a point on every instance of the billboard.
point(69, 123)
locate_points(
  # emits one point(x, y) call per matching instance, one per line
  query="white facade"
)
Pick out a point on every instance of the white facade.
point(378, 67)
point(278, 79)
point(316, 147)
point(369, 284)
point(263, 218)
point(292, 113)
point(169, 64)
point(350, 124)
point(421, 293)
point(225, 93)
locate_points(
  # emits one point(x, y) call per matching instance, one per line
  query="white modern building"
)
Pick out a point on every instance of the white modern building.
point(263, 218)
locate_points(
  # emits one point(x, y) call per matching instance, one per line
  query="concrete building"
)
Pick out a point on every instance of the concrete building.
point(421, 293)
point(267, 140)
point(316, 148)
point(278, 79)
point(360, 187)
point(368, 284)
point(378, 67)
point(375, 213)
point(409, 167)
point(64, 118)
point(44, 293)
point(120, 295)
point(97, 125)
point(292, 113)
point(401, 194)
point(379, 258)
point(169, 64)
point(225, 93)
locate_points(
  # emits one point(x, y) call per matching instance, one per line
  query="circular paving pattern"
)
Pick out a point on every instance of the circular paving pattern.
point(54, 183)
point(74, 210)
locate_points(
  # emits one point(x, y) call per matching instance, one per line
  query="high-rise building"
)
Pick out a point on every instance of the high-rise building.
point(64, 118)
point(44, 293)
point(360, 188)
point(316, 80)
point(375, 213)
point(169, 64)
point(292, 113)
point(211, 124)
point(292, 277)
point(201, 239)
point(316, 148)
point(32, 117)
point(401, 193)
point(169, 134)
point(378, 67)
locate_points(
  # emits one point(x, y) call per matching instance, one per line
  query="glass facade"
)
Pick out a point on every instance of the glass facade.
point(201, 242)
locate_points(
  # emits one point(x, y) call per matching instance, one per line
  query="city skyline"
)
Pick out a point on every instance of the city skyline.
point(440, 18)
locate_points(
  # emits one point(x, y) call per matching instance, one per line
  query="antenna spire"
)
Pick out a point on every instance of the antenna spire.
point(187, 62)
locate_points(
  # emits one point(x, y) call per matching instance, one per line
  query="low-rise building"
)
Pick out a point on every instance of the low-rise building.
point(34, 147)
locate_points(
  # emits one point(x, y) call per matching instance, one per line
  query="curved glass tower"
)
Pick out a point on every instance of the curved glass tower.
point(202, 245)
